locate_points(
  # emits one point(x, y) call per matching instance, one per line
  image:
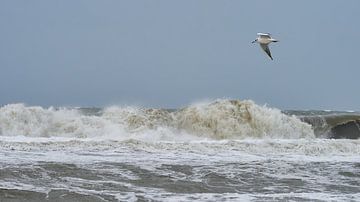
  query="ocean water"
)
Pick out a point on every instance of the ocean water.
point(222, 150)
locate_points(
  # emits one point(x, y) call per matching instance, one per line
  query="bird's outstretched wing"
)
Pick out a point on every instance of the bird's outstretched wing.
point(264, 35)
point(265, 47)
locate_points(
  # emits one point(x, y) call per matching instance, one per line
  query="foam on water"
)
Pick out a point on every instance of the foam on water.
point(17, 119)
point(225, 150)
point(221, 119)
point(209, 127)
point(250, 197)
point(246, 150)
point(234, 119)
point(218, 127)
point(247, 169)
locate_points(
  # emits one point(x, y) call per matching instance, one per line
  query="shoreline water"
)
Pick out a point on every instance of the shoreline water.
point(222, 150)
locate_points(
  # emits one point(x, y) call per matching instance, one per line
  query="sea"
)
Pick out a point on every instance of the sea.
point(217, 150)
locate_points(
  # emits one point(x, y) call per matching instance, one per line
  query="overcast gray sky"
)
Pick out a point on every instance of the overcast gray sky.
point(172, 53)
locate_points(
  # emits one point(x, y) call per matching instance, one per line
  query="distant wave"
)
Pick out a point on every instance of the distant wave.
point(219, 119)
point(336, 125)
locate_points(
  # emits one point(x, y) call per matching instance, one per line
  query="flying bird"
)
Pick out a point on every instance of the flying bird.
point(264, 39)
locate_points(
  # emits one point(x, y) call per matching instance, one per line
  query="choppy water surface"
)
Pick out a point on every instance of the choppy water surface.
point(226, 150)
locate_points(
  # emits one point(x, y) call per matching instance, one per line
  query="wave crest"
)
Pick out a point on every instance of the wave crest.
point(225, 119)
point(221, 119)
point(18, 119)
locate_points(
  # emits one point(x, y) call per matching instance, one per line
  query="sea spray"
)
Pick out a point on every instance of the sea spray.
point(21, 120)
point(235, 119)
point(221, 119)
point(209, 151)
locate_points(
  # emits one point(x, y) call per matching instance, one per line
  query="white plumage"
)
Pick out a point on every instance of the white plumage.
point(264, 39)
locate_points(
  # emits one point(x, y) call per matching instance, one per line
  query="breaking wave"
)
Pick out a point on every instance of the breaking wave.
point(220, 119)
point(337, 125)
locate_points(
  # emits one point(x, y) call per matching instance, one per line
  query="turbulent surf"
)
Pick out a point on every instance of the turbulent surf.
point(219, 150)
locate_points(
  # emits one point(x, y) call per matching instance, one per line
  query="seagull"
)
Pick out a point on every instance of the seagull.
point(264, 39)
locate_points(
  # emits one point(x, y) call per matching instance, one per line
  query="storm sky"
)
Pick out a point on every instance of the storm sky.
point(168, 54)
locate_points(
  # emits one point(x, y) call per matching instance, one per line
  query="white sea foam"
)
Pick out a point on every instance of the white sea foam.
point(234, 119)
point(221, 119)
point(228, 150)
point(221, 148)
point(253, 197)
point(217, 127)
point(17, 119)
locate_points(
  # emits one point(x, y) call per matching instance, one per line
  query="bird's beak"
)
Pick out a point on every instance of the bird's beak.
point(253, 41)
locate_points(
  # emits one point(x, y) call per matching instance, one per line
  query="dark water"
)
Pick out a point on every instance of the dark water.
point(298, 170)
point(255, 178)
point(331, 124)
